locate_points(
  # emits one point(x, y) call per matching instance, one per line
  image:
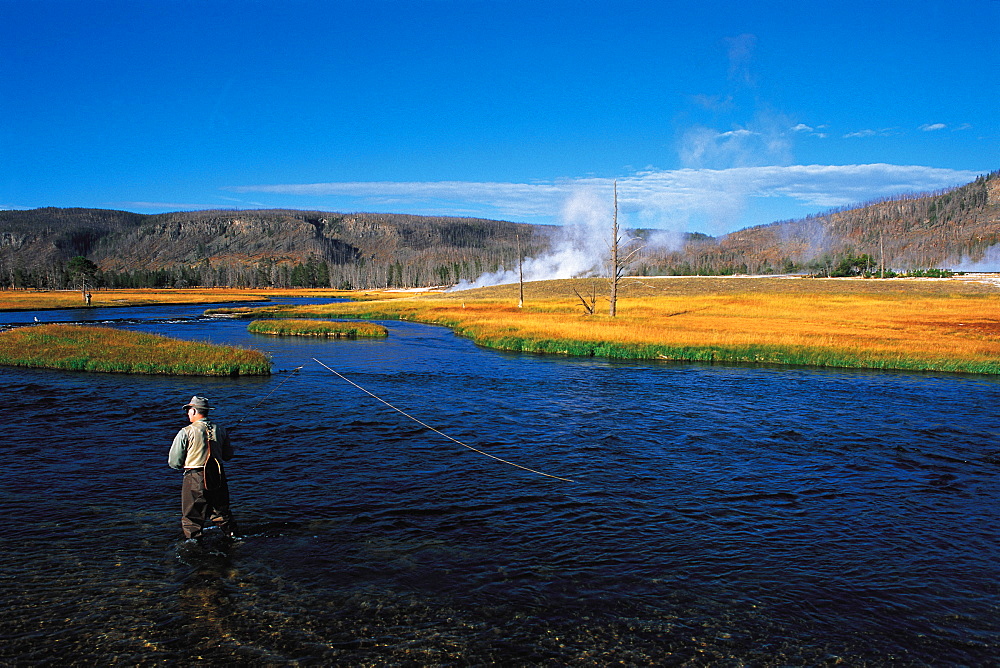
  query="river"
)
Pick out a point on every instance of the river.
point(717, 515)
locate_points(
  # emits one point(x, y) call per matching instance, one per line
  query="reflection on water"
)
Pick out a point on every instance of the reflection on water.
point(721, 515)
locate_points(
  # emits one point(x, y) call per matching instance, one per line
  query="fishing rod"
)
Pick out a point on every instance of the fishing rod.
point(292, 374)
point(427, 426)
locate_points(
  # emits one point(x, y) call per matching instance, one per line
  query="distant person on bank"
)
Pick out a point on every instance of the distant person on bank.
point(198, 449)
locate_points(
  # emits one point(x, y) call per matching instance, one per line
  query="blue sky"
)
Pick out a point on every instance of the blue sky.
point(710, 115)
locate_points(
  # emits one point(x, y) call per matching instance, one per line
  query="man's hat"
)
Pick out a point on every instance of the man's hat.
point(200, 403)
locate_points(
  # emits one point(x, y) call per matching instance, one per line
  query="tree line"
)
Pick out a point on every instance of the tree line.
point(313, 273)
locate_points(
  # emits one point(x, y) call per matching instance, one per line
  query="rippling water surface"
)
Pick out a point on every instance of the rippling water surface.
point(718, 515)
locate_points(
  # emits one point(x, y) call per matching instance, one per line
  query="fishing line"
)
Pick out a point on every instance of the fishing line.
point(427, 426)
point(292, 374)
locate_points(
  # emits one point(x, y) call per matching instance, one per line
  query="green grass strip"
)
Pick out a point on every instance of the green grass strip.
point(348, 330)
point(108, 350)
point(803, 356)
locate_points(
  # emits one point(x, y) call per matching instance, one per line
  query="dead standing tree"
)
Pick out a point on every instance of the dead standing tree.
point(621, 257)
point(520, 274)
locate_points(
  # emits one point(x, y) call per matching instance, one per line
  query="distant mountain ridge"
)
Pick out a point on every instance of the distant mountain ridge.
point(255, 248)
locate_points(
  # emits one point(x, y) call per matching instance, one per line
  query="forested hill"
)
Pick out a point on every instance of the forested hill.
point(257, 248)
point(937, 230)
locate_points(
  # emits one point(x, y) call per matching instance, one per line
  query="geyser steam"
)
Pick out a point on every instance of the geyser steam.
point(580, 249)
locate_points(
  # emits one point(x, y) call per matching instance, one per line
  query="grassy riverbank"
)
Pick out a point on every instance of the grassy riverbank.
point(942, 325)
point(321, 328)
point(103, 349)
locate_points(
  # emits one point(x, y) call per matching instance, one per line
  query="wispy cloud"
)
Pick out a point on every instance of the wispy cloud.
point(764, 140)
point(721, 195)
point(741, 49)
point(891, 132)
point(809, 130)
point(164, 206)
point(712, 102)
point(665, 199)
point(511, 199)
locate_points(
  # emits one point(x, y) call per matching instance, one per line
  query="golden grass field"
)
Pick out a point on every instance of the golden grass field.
point(921, 324)
point(916, 324)
point(30, 300)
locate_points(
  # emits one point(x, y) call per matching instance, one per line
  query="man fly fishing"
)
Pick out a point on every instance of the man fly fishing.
point(197, 449)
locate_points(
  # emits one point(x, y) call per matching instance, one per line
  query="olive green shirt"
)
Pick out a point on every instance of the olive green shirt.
point(190, 447)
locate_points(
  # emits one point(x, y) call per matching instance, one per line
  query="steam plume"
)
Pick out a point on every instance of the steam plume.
point(579, 249)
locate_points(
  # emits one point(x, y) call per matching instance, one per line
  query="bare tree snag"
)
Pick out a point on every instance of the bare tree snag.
point(616, 268)
point(520, 274)
point(589, 306)
point(619, 263)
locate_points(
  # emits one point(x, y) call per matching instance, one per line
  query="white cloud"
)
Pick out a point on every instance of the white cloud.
point(868, 132)
point(809, 130)
point(663, 199)
point(931, 127)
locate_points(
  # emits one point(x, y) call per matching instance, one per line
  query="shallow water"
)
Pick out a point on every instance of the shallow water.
point(719, 515)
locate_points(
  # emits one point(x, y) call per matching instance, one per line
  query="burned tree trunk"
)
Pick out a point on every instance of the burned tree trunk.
point(616, 267)
point(623, 253)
